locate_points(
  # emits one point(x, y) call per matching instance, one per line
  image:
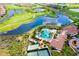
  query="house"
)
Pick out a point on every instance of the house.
point(34, 50)
point(2, 10)
point(59, 41)
point(71, 30)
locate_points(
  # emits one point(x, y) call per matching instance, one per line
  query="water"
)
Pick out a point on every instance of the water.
point(11, 13)
point(45, 34)
point(25, 27)
point(61, 19)
point(76, 10)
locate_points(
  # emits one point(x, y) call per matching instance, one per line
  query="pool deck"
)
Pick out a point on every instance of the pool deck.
point(53, 32)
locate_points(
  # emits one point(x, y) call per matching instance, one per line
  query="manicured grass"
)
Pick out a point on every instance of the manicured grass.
point(50, 14)
point(74, 16)
point(17, 20)
point(72, 13)
point(12, 6)
point(67, 51)
point(74, 6)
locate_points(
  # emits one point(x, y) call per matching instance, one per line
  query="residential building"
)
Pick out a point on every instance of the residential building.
point(59, 41)
point(71, 30)
point(2, 10)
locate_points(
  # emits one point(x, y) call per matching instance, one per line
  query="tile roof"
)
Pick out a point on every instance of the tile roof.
point(2, 10)
point(59, 41)
point(71, 29)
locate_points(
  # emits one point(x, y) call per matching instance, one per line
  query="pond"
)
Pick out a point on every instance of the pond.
point(63, 19)
point(60, 20)
point(11, 13)
point(76, 10)
point(26, 27)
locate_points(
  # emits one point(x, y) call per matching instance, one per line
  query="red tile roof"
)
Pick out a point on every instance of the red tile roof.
point(71, 29)
point(59, 41)
point(2, 10)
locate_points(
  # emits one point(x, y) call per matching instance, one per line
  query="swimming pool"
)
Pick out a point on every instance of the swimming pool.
point(45, 33)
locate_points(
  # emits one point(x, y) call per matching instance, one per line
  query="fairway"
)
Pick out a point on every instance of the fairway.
point(18, 20)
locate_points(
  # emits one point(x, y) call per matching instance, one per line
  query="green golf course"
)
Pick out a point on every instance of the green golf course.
point(19, 19)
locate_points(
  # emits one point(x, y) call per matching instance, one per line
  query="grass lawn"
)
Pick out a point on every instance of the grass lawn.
point(72, 13)
point(74, 16)
point(74, 6)
point(12, 6)
point(17, 20)
point(67, 51)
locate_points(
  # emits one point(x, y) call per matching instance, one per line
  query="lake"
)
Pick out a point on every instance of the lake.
point(10, 14)
point(59, 21)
